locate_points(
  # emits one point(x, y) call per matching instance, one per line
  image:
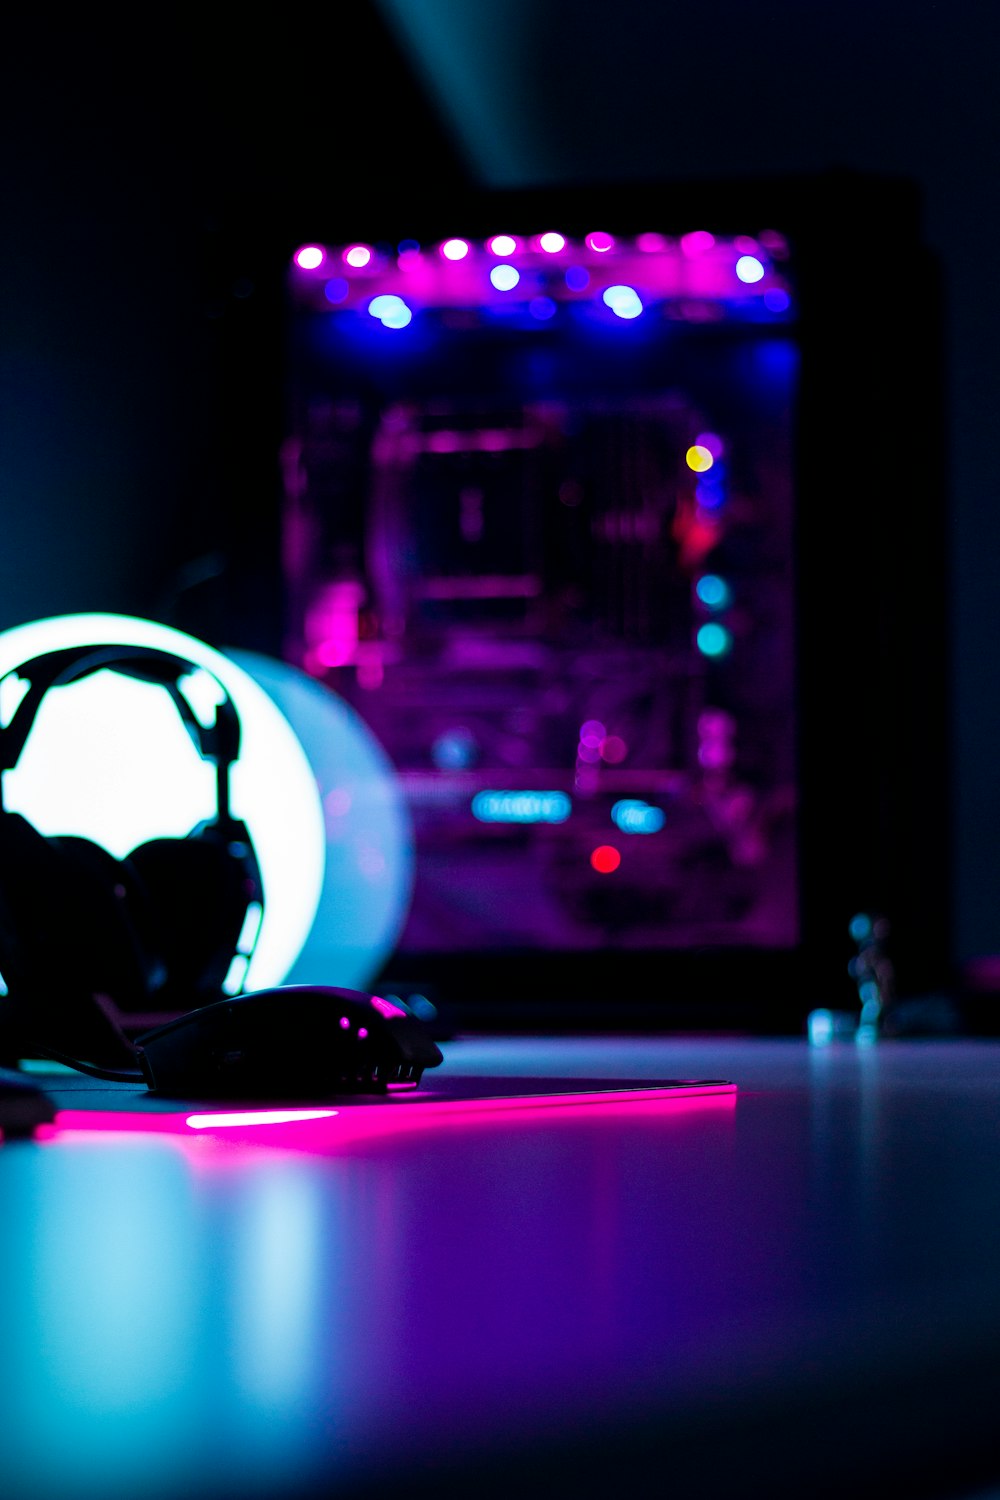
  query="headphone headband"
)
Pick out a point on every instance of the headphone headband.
point(218, 742)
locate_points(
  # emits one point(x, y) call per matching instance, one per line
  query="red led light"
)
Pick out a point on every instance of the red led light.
point(605, 858)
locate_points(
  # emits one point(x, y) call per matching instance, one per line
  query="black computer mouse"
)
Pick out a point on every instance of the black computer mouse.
point(294, 1042)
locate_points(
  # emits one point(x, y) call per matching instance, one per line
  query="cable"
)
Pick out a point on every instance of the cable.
point(113, 1075)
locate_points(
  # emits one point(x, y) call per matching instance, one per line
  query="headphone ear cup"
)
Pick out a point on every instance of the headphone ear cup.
point(123, 947)
point(200, 890)
point(68, 934)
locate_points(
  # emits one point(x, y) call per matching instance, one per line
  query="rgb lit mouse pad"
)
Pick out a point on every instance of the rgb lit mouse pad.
point(334, 1122)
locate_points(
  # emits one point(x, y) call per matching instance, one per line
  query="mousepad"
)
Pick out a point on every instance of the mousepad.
point(124, 1110)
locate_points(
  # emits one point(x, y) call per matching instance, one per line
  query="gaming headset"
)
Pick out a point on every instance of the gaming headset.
point(93, 948)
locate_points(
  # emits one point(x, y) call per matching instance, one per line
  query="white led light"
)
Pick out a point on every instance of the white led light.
point(108, 759)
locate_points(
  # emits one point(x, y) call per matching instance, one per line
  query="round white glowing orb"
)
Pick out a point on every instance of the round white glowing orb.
point(505, 278)
point(368, 881)
point(749, 269)
point(109, 759)
point(310, 257)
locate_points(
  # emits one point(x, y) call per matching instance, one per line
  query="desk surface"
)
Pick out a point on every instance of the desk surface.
point(781, 1293)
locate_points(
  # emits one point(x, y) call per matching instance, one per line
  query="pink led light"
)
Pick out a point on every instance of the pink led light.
point(605, 859)
point(455, 249)
point(650, 243)
point(362, 1032)
point(502, 244)
point(357, 256)
point(600, 242)
point(386, 1007)
point(698, 242)
point(552, 243)
point(309, 257)
point(613, 749)
point(323, 1132)
point(255, 1117)
point(345, 1024)
point(592, 732)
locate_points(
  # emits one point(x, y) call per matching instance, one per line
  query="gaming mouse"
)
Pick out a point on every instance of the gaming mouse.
point(294, 1042)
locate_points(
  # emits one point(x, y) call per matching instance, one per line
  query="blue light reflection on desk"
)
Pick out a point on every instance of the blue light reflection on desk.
point(221, 1317)
point(168, 1326)
point(519, 1304)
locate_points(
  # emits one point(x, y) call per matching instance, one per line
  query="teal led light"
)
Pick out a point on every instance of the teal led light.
point(714, 640)
point(713, 591)
point(521, 807)
point(632, 815)
point(624, 301)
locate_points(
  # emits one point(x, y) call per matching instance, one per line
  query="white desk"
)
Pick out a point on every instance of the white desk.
point(796, 1293)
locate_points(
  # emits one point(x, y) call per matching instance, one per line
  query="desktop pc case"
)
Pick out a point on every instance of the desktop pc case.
point(617, 515)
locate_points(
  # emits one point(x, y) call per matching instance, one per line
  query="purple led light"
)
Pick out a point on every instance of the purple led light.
point(552, 243)
point(502, 244)
point(455, 249)
point(698, 242)
point(309, 257)
point(649, 244)
point(600, 242)
point(357, 256)
point(711, 441)
point(613, 749)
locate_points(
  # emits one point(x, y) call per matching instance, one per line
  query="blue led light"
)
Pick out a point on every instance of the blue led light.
point(632, 815)
point(624, 301)
point(713, 591)
point(860, 927)
point(336, 289)
point(713, 640)
point(749, 268)
point(709, 491)
point(542, 308)
point(577, 278)
point(820, 1026)
point(521, 807)
point(455, 749)
point(777, 300)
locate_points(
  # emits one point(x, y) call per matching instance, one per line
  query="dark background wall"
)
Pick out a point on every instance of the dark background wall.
point(151, 160)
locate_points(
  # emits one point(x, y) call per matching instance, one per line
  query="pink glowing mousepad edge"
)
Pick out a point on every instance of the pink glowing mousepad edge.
point(337, 1121)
